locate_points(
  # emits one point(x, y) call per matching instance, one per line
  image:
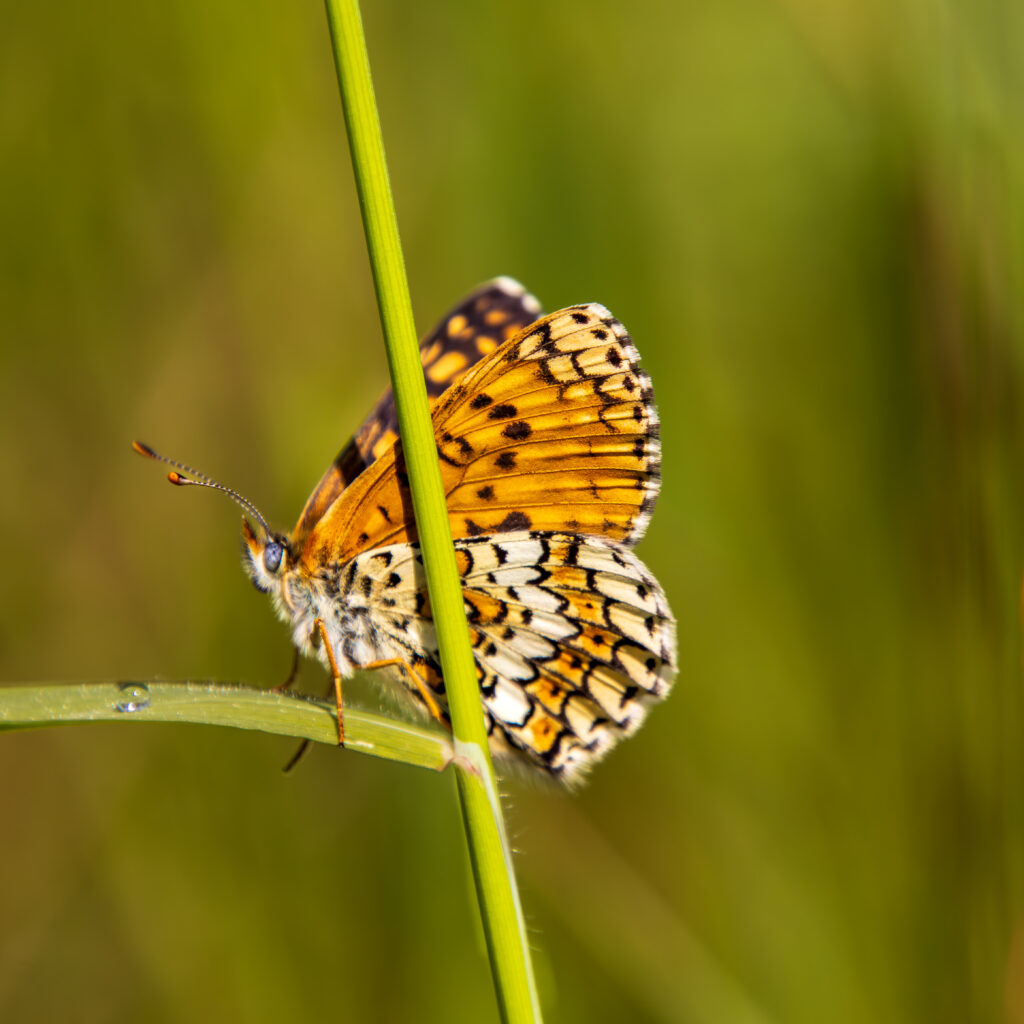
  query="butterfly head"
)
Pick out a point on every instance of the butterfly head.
point(266, 556)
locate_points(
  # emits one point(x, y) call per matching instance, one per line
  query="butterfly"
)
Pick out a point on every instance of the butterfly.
point(550, 458)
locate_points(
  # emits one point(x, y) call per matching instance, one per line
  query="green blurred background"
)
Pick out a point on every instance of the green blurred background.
point(809, 215)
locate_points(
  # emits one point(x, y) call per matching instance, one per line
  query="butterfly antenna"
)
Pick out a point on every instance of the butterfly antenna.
point(197, 479)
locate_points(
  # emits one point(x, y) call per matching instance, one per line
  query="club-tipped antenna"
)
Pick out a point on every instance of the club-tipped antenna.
point(197, 479)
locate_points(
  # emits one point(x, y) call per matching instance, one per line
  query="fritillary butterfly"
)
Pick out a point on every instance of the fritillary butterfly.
point(550, 459)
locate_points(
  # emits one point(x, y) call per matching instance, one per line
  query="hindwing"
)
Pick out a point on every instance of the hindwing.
point(572, 637)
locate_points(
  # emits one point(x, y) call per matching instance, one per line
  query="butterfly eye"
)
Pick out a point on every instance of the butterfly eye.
point(273, 553)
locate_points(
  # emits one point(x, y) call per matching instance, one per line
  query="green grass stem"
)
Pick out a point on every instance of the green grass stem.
point(488, 845)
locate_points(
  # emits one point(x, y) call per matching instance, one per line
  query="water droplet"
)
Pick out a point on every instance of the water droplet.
point(136, 697)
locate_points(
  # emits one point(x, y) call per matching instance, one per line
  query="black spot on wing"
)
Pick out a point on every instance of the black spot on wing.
point(518, 431)
point(514, 521)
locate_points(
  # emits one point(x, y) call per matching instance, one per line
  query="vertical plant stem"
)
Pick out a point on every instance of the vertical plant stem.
point(489, 851)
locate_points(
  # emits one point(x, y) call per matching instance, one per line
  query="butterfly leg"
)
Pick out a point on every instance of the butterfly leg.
point(282, 688)
point(421, 687)
point(287, 684)
point(299, 754)
point(319, 636)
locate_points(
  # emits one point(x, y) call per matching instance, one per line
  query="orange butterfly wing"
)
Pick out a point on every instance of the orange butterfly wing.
point(555, 430)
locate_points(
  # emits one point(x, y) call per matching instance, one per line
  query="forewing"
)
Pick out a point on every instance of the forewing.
point(556, 430)
point(476, 327)
point(560, 433)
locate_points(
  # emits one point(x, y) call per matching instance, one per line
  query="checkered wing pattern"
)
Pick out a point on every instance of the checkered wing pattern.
point(572, 636)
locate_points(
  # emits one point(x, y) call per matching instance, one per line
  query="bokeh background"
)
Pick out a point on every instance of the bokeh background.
point(810, 217)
